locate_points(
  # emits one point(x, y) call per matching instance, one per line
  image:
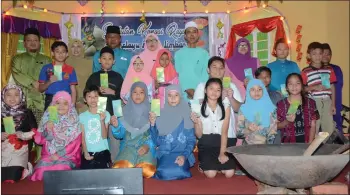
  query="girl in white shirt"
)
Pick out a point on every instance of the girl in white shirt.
point(211, 128)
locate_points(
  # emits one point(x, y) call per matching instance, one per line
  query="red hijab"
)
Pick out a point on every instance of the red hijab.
point(169, 71)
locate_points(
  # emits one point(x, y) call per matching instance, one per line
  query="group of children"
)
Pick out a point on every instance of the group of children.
point(162, 145)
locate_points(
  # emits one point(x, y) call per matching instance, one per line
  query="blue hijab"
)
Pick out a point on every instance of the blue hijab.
point(261, 109)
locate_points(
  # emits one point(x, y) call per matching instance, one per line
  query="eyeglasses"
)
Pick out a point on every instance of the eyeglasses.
point(242, 46)
point(152, 41)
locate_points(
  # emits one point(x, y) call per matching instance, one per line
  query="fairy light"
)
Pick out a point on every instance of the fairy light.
point(289, 42)
point(206, 11)
point(163, 11)
point(185, 12)
point(122, 11)
point(264, 5)
point(281, 18)
point(25, 6)
point(45, 10)
point(143, 11)
point(7, 13)
point(228, 11)
point(246, 10)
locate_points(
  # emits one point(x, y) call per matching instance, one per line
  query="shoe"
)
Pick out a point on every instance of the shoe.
point(239, 173)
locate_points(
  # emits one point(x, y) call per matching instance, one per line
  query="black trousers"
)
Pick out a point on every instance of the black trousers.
point(101, 160)
point(48, 100)
point(11, 173)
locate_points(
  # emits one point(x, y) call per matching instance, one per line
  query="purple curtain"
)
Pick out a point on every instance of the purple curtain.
point(12, 24)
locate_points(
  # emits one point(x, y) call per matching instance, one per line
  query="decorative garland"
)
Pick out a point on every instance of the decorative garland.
point(298, 40)
point(102, 11)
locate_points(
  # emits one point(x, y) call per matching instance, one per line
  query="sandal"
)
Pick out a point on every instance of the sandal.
point(239, 173)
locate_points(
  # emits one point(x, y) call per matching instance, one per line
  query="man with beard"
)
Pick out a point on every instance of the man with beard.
point(26, 68)
point(122, 57)
point(191, 62)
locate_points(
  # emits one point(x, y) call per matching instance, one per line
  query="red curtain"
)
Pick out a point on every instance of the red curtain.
point(264, 25)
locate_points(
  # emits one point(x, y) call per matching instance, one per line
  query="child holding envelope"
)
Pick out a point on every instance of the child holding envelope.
point(212, 128)
point(164, 74)
point(94, 128)
point(17, 123)
point(136, 72)
point(110, 84)
point(58, 76)
point(297, 114)
point(133, 129)
point(60, 137)
point(174, 137)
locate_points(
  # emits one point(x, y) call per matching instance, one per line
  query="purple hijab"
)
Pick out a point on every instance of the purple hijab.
point(238, 62)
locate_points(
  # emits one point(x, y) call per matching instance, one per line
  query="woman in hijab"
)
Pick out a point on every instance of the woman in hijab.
point(241, 60)
point(174, 137)
point(14, 147)
point(150, 53)
point(164, 60)
point(82, 68)
point(136, 147)
point(136, 72)
point(61, 140)
point(257, 123)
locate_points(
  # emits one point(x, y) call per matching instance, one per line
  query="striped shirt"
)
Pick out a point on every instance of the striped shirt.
point(312, 76)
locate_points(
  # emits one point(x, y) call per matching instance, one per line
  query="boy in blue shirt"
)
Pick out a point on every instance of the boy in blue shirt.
point(94, 128)
point(50, 83)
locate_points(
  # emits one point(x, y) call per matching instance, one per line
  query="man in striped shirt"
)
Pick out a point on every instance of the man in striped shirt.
point(319, 80)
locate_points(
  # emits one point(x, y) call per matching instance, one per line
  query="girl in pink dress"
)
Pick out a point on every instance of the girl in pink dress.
point(164, 59)
point(61, 140)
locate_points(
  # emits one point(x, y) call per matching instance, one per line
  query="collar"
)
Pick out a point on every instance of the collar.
point(282, 61)
point(314, 68)
point(33, 54)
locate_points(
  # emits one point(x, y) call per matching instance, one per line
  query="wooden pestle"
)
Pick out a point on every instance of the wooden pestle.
point(341, 149)
point(321, 137)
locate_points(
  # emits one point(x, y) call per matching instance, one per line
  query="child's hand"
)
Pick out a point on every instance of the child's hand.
point(224, 93)
point(49, 125)
point(102, 116)
point(114, 121)
point(87, 156)
point(54, 157)
point(53, 78)
point(319, 87)
point(143, 150)
point(152, 118)
point(229, 93)
point(190, 93)
point(223, 158)
point(253, 127)
point(157, 84)
point(333, 110)
point(4, 136)
point(195, 118)
point(107, 91)
point(246, 81)
point(19, 135)
point(180, 160)
point(290, 118)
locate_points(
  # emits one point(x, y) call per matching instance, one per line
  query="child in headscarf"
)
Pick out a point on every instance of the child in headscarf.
point(150, 52)
point(136, 146)
point(164, 60)
point(174, 137)
point(61, 140)
point(14, 147)
point(257, 122)
point(136, 72)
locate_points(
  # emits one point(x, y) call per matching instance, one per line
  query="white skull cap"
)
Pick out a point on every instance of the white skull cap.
point(191, 24)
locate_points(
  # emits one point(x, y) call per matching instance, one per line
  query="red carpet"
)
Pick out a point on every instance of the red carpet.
point(198, 184)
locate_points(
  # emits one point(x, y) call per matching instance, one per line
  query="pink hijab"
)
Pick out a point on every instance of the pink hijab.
point(132, 74)
point(149, 57)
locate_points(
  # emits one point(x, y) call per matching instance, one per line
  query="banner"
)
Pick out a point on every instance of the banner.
point(170, 30)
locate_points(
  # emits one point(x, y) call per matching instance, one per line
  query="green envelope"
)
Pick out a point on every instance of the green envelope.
point(226, 81)
point(284, 90)
point(9, 125)
point(195, 107)
point(248, 73)
point(53, 113)
point(101, 104)
point(57, 71)
point(136, 79)
point(293, 107)
point(160, 74)
point(257, 119)
point(325, 80)
point(117, 108)
point(104, 80)
point(155, 106)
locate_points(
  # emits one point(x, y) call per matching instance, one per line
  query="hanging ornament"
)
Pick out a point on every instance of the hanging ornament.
point(205, 2)
point(258, 2)
point(102, 11)
point(185, 11)
point(82, 2)
point(69, 25)
point(143, 20)
point(221, 50)
point(228, 2)
point(220, 25)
